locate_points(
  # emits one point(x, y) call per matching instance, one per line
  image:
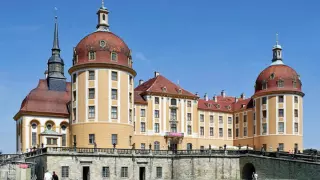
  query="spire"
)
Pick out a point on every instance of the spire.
point(277, 52)
point(103, 24)
point(55, 46)
point(55, 77)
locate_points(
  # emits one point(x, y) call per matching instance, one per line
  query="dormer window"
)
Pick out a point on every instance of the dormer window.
point(264, 85)
point(164, 89)
point(294, 83)
point(92, 55)
point(229, 107)
point(243, 106)
point(114, 56)
point(102, 43)
point(180, 91)
point(209, 105)
point(280, 83)
point(218, 106)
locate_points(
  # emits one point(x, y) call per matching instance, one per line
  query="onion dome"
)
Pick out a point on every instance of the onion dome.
point(102, 46)
point(278, 77)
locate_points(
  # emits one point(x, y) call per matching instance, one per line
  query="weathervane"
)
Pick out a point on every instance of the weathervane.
point(55, 12)
point(102, 3)
point(277, 38)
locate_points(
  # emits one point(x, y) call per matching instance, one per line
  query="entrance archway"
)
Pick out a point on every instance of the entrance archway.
point(247, 171)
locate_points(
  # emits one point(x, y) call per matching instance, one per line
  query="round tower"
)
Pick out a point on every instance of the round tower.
point(278, 105)
point(102, 89)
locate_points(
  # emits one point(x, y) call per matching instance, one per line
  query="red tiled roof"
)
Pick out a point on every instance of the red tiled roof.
point(44, 101)
point(223, 104)
point(156, 85)
point(243, 104)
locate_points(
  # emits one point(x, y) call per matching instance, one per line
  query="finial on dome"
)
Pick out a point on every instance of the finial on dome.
point(102, 4)
point(277, 52)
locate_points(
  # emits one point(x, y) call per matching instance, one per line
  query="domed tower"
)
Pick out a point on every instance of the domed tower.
point(102, 89)
point(278, 105)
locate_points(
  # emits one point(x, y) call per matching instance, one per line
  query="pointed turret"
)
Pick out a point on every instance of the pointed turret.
point(56, 79)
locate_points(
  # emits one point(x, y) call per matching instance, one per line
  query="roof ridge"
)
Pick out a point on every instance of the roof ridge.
point(154, 82)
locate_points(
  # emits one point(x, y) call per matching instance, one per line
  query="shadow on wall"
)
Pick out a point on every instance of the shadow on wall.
point(247, 171)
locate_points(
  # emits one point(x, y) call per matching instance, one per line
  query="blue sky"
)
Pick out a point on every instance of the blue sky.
point(207, 45)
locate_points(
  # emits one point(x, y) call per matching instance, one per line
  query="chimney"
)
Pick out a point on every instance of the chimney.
point(46, 74)
point(223, 94)
point(236, 99)
point(242, 96)
point(206, 97)
point(156, 74)
point(215, 98)
point(141, 81)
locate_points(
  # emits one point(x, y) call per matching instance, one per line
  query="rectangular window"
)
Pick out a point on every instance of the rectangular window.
point(220, 120)
point(114, 76)
point(264, 113)
point(114, 56)
point(74, 113)
point(143, 113)
point(296, 114)
point(173, 127)
point(296, 127)
point(130, 97)
point(245, 131)
point(254, 116)
point(201, 118)
point(130, 115)
point(237, 132)
point(173, 114)
point(189, 103)
point(91, 112)
point(143, 146)
point(189, 116)
point(130, 80)
point(92, 55)
point(281, 146)
point(91, 138)
point(114, 112)
point(114, 94)
point(220, 132)
point(91, 93)
point(264, 100)
point(156, 100)
point(244, 118)
point(296, 100)
point(237, 120)
point(74, 139)
point(156, 113)
point(143, 127)
point(159, 172)
point(189, 130)
point(156, 127)
point(64, 139)
point(74, 78)
point(254, 129)
point(91, 75)
point(65, 171)
point(229, 120)
point(280, 112)
point(34, 138)
point(280, 99)
point(201, 131)
point(124, 172)
point(211, 131)
point(264, 128)
point(211, 118)
point(105, 172)
point(114, 139)
point(229, 133)
point(74, 95)
point(281, 127)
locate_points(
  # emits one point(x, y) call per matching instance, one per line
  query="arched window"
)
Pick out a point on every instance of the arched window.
point(34, 125)
point(49, 126)
point(189, 146)
point(156, 145)
point(104, 17)
point(63, 127)
point(173, 102)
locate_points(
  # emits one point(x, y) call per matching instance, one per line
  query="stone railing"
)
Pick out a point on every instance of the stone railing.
point(197, 152)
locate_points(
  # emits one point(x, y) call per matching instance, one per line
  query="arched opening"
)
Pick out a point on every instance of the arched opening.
point(247, 171)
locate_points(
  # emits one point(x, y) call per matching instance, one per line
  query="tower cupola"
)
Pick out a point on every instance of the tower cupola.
point(277, 53)
point(103, 24)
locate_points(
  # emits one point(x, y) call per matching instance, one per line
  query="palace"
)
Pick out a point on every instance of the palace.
point(102, 108)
